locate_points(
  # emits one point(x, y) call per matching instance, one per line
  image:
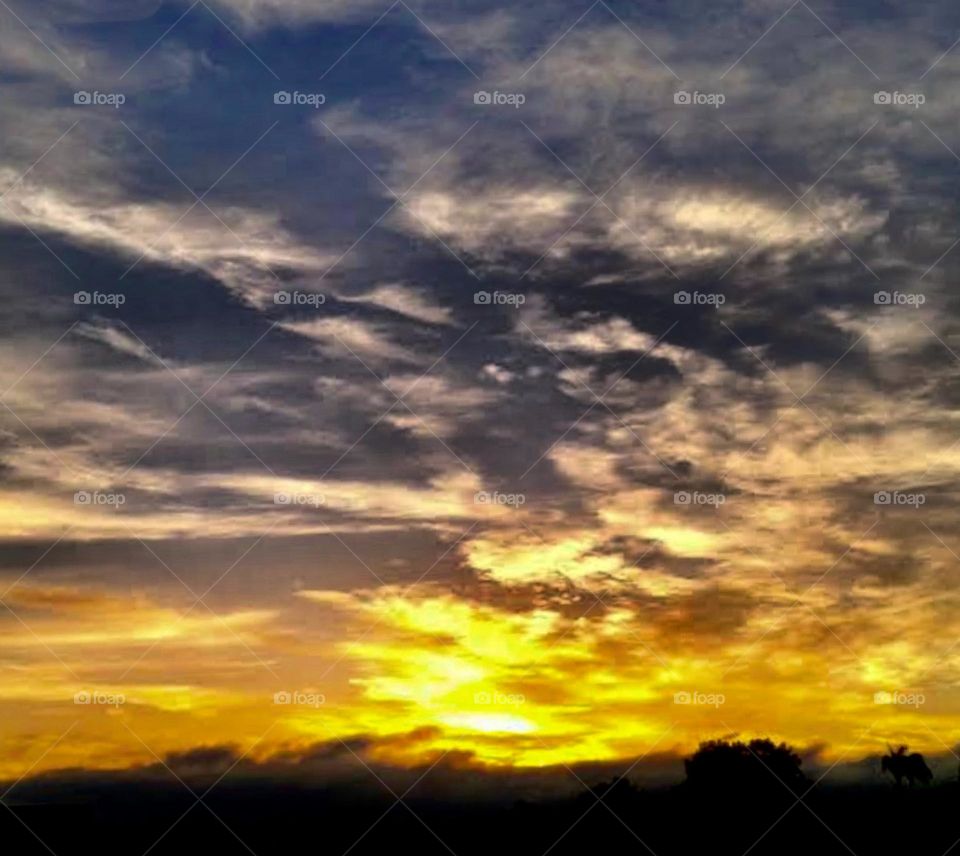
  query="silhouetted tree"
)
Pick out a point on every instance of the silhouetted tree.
point(719, 765)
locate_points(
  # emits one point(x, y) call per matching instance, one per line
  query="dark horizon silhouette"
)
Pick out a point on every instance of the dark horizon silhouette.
point(738, 796)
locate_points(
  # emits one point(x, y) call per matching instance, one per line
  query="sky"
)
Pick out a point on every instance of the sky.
point(524, 386)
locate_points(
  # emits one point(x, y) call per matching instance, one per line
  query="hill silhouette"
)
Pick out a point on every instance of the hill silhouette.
point(738, 797)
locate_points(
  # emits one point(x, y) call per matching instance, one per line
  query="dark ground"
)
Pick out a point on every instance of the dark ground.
point(283, 819)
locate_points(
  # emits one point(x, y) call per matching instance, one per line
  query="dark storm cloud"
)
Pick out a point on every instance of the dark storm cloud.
point(345, 765)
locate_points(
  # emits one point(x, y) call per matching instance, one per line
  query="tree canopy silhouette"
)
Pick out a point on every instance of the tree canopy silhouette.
point(719, 765)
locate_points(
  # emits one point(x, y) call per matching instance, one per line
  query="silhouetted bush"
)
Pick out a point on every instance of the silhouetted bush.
point(719, 765)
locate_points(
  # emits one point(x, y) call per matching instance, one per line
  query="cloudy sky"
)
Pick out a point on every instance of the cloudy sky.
point(535, 385)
